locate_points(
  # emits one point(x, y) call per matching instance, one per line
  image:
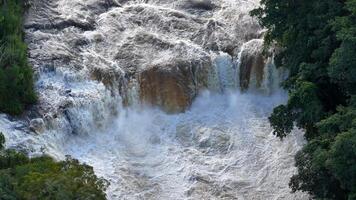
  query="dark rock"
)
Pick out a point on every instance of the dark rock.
point(37, 125)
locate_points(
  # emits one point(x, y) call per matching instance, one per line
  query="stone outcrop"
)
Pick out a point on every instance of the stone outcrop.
point(169, 89)
point(170, 74)
point(252, 64)
point(174, 85)
point(91, 58)
point(163, 48)
point(37, 125)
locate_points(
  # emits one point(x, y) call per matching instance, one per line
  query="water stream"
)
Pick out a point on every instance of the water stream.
point(222, 148)
point(89, 57)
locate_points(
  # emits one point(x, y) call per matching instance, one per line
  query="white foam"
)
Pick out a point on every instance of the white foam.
point(221, 147)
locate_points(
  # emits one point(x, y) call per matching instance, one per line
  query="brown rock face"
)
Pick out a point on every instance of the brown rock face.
point(169, 73)
point(172, 86)
point(252, 64)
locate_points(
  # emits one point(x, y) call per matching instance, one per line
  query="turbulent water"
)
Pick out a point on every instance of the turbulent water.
point(222, 148)
point(107, 70)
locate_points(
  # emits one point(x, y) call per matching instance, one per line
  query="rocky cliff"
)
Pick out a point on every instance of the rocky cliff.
point(158, 51)
point(109, 71)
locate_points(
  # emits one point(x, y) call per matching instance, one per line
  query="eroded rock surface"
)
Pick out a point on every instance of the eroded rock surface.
point(253, 63)
point(97, 62)
point(119, 42)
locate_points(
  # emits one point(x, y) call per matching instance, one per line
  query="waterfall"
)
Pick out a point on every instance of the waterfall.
point(165, 99)
point(227, 71)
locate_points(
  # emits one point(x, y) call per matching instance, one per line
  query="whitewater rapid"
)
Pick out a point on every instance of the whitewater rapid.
point(222, 148)
point(106, 70)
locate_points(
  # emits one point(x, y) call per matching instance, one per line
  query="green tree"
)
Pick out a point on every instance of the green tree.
point(317, 43)
point(16, 81)
point(43, 178)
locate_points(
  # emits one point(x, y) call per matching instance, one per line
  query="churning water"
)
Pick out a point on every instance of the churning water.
point(222, 148)
point(88, 57)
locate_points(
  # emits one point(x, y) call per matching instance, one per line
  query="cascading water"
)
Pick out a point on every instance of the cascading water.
point(222, 148)
point(105, 68)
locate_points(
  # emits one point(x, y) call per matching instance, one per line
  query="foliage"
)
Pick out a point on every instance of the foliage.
point(16, 81)
point(43, 178)
point(317, 42)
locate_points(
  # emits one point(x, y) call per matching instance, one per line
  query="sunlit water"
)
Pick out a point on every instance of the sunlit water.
point(222, 148)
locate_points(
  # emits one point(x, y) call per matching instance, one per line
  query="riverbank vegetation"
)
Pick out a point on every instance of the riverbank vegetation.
point(22, 177)
point(16, 81)
point(43, 178)
point(316, 41)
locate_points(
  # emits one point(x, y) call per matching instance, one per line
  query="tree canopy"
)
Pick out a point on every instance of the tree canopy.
point(43, 178)
point(16, 81)
point(316, 41)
